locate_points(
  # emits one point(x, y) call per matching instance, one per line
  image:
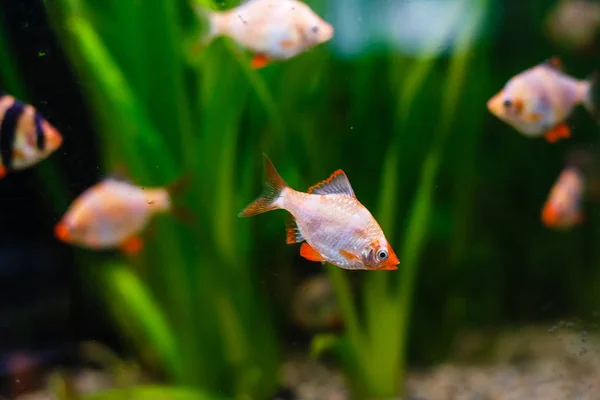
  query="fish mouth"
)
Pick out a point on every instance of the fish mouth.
point(61, 231)
point(495, 105)
point(327, 32)
point(549, 216)
point(53, 138)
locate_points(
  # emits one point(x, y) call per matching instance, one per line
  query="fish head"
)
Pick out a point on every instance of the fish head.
point(313, 29)
point(53, 138)
point(516, 105)
point(380, 256)
point(73, 227)
point(563, 208)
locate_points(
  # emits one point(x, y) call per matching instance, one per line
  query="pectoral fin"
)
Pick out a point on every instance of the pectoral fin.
point(260, 61)
point(350, 257)
point(309, 253)
point(132, 245)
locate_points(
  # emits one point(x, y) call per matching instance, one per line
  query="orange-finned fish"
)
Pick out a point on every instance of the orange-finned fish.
point(26, 138)
point(538, 101)
point(271, 29)
point(337, 228)
point(112, 214)
point(563, 209)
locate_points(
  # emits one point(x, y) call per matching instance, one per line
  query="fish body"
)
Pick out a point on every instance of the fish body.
point(537, 101)
point(272, 29)
point(563, 209)
point(574, 24)
point(26, 138)
point(335, 226)
point(112, 214)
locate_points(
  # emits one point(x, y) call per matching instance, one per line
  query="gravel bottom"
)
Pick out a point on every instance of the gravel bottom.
point(524, 364)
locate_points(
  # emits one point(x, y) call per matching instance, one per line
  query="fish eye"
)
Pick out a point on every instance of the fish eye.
point(382, 255)
point(507, 103)
point(315, 29)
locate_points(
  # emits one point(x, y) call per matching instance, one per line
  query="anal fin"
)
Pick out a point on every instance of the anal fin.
point(560, 131)
point(309, 253)
point(293, 234)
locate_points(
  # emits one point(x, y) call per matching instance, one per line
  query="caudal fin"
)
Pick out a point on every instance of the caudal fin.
point(272, 189)
point(591, 101)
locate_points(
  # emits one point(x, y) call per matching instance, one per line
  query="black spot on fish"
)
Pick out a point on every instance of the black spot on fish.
point(8, 129)
point(39, 132)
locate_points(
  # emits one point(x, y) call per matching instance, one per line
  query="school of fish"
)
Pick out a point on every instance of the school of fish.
point(329, 221)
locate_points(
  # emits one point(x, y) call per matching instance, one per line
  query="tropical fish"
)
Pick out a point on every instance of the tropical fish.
point(563, 209)
point(271, 29)
point(538, 101)
point(334, 226)
point(26, 138)
point(112, 214)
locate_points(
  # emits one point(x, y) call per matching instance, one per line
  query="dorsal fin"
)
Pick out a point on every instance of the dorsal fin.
point(555, 62)
point(337, 183)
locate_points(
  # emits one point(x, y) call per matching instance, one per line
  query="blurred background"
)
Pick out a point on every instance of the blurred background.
point(224, 308)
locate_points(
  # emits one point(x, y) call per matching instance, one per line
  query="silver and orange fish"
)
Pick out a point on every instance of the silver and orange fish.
point(26, 138)
point(334, 226)
point(112, 214)
point(271, 29)
point(563, 209)
point(538, 101)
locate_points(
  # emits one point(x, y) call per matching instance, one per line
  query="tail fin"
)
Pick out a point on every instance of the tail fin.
point(215, 22)
point(177, 209)
point(592, 98)
point(272, 189)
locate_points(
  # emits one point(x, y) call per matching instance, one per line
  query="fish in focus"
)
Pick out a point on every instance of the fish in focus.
point(271, 29)
point(538, 101)
point(563, 209)
point(26, 138)
point(334, 226)
point(112, 214)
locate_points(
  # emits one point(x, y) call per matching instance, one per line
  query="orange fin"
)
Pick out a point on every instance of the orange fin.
point(293, 233)
point(309, 253)
point(560, 131)
point(337, 183)
point(555, 62)
point(2, 171)
point(349, 256)
point(271, 191)
point(287, 43)
point(18, 153)
point(132, 245)
point(259, 61)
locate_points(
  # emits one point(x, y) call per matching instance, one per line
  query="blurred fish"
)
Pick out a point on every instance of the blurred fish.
point(574, 24)
point(113, 213)
point(538, 101)
point(26, 138)
point(563, 209)
point(272, 29)
point(337, 228)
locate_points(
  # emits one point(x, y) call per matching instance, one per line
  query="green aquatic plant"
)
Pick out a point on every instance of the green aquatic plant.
point(193, 301)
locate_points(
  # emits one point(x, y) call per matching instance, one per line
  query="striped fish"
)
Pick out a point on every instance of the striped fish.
point(26, 138)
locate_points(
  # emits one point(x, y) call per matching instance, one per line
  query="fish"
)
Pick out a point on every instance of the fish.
point(538, 101)
point(274, 30)
point(113, 213)
point(26, 137)
point(563, 208)
point(330, 221)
